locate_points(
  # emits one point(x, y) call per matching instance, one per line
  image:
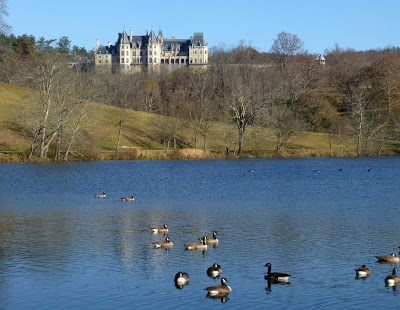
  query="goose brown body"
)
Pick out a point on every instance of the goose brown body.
point(213, 240)
point(363, 271)
point(164, 244)
point(128, 198)
point(163, 229)
point(101, 195)
point(197, 246)
point(393, 279)
point(392, 258)
point(181, 278)
point(219, 290)
point(214, 271)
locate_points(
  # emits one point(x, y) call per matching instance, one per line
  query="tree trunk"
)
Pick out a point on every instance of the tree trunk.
point(196, 132)
point(119, 135)
point(59, 144)
point(278, 143)
point(241, 138)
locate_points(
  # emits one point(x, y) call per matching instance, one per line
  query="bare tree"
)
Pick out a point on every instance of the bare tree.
point(4, 27)
point(243, 95)
point(201, 88)
point(283, 122)
point(150, 94)
point(84, 92)
point(285, 46)
point(120, 91)
point(47, 75)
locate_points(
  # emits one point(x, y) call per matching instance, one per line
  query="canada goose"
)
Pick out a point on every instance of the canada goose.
point(100, 195)
point(362, 272)
point(393, 279)
point(276, 276)
point(128, 198)
point(181, 278)
point(214, 239)
point(164, 244)
point(219, 290)
point(214, 271)
point(197, 246)
point(163, 229)
point(392, 258)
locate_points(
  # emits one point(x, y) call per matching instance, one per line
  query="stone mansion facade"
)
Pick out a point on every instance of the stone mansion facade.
point(150, 52)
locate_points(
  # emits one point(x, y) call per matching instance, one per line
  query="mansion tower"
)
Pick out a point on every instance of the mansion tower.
point(150, 52)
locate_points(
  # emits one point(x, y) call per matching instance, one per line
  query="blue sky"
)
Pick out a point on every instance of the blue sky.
point(356, 24)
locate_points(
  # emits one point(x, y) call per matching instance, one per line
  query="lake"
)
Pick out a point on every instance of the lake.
point(60, 247)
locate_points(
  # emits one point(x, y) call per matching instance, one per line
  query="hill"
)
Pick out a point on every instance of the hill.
point(143, 131)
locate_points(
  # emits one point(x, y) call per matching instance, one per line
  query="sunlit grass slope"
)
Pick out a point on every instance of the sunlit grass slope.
point(141, 130)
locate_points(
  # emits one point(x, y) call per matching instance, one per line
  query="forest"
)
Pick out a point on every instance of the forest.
point(283, 92)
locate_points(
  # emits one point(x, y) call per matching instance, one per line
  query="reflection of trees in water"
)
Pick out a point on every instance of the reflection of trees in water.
point(38, 244)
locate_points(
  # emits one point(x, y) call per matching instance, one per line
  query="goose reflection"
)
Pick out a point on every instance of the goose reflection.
point(268, 289)
point(223, 299)
point(382, 262)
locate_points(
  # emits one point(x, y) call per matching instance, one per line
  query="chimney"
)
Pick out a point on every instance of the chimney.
point(130, 36)
point(97, 44)
point(109, 44)
point(147, 32)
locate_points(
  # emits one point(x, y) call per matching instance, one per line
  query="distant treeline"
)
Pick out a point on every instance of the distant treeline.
point(284, 92)
point(25, 46)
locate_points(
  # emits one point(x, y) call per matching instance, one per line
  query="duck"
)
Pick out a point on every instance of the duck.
point(101, 195)
point(369, 169)
point(214, 239)
point(251, 170)
point(362, 272)
point(128, 198)
point(276, 276)
point(163, 229)
point(219, 290)
point(340, 169)
point(197, 246)
point(392, 258)
point(164, 244)
point(316, 170)
point(214, 271)
point(181, 278)
point(392, 279)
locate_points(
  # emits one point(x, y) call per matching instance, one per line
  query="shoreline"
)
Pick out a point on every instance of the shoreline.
point(194, 154)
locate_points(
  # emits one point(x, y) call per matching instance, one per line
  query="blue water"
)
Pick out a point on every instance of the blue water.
point(62, 248)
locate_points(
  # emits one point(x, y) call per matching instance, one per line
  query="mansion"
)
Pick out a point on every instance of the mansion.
point(150, 52)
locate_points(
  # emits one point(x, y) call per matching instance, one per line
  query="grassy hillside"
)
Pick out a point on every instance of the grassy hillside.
point(141, 130)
